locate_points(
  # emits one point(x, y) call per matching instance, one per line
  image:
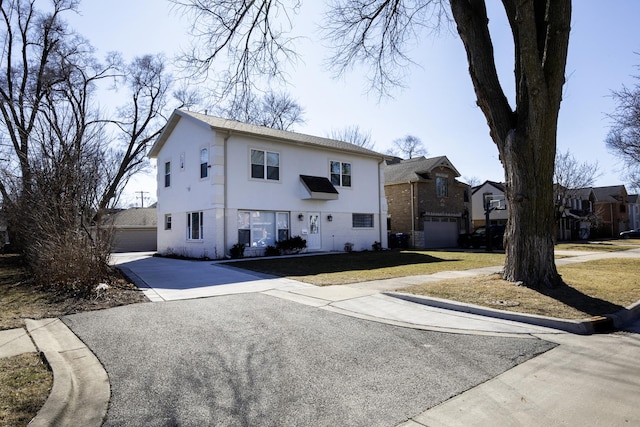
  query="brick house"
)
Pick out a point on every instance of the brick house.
point(426, 201)
point(611, 208)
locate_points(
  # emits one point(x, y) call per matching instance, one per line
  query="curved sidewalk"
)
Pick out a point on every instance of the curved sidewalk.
point(81, 391)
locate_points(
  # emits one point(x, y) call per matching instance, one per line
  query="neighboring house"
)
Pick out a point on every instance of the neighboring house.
point(222, 182)
point(576, 213)
point(634, 211)
point(426, 201)
point(611, 208)
point(490, 190)
point(134, 230)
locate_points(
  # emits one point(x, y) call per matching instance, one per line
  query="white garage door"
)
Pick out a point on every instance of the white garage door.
point(441, 233)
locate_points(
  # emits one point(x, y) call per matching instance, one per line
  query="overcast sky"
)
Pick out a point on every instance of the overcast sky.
point(438, 103)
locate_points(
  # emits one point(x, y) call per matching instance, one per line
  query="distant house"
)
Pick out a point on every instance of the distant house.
point(480, 194)
point(634, 211)
point(426, 201)
point(576, 214)
point(223, 183)
point(611, 208)
point(135, 230)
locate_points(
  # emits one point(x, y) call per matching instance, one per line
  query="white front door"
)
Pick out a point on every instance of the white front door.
point(314, 241)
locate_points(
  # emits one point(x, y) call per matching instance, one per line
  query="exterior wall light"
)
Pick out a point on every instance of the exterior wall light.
point(329, 217)
point(300, 217)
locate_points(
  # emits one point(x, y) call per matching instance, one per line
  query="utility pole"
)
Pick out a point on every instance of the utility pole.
point(141, 197)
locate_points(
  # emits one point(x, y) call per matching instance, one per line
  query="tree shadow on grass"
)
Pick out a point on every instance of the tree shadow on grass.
point(574, 298)
point(341, 262)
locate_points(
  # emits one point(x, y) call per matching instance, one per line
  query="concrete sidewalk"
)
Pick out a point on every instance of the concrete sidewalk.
point(585, 381)
point(81, 391)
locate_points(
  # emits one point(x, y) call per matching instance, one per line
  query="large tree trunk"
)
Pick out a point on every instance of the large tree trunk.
point(526, 137)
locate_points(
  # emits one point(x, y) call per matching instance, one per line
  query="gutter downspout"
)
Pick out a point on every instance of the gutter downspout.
point(380, 219)
point(224, 208)
point(413, 217)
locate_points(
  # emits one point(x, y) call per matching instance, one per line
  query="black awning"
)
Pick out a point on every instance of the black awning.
point(319, 187)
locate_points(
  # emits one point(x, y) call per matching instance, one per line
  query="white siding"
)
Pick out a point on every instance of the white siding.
point(189, 193)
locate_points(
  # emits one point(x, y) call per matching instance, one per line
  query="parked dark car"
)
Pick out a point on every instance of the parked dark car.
point(478, 238)
point(630, 234)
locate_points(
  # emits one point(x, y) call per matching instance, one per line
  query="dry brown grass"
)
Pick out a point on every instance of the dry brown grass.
point(593, 288)
point(25, 384)
point(21, 299)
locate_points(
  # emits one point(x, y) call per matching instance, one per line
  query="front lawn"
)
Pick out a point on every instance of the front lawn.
point(593, 288)
point(345, 268)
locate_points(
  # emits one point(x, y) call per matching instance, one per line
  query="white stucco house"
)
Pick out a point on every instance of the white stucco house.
point(222, 182)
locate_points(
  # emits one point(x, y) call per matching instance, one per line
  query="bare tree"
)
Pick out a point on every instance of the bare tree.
point(473, 181)
point(354, 135)
point(624, 136)
point(407, 147)
point(252, 35)
point(378, 33)
point(139, 122)
point(60, 167)
point(274, 110)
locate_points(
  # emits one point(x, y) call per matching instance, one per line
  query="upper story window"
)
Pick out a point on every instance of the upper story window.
point(265, 165)
point(442, 187)
point(204, 163)
point(167, 174)
point(341, 174)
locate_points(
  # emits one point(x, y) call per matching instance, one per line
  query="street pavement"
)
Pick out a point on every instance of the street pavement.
point(309, 347)
point(258, 360)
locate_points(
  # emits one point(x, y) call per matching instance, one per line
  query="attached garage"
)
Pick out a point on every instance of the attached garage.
point(440, 232)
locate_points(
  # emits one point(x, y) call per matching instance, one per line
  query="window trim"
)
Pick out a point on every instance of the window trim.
point(200, 226)
point(265, 165)
point(167, 174)
point(369, 217)
point(341, 175)
point(439, 187)
point(251, 228)
point(204, 166)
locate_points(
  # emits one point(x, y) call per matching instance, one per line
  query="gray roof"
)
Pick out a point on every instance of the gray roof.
point(134, 218)
point(409, 170)
point(610, 194)
point(233, 126)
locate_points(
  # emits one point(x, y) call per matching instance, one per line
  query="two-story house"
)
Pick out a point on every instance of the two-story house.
point(426, 202)
point(485, 193)
point(222, 182)
point(611, 207)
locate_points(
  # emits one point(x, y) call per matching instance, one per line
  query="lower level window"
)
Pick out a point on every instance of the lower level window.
point(362, 220)
point(262, 228)
point(194, 226)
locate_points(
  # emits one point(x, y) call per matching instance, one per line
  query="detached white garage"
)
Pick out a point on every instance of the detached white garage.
point(440, 232)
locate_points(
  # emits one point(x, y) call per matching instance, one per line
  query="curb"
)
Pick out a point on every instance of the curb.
point(594, 325)
point(81, 391)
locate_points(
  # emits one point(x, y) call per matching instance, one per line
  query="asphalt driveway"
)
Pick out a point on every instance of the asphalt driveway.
point(257, 360)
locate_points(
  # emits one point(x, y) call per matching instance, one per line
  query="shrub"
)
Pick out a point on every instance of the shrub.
point(377, 246)
point(237, 250)
point(271, 251)
point(292, 245)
